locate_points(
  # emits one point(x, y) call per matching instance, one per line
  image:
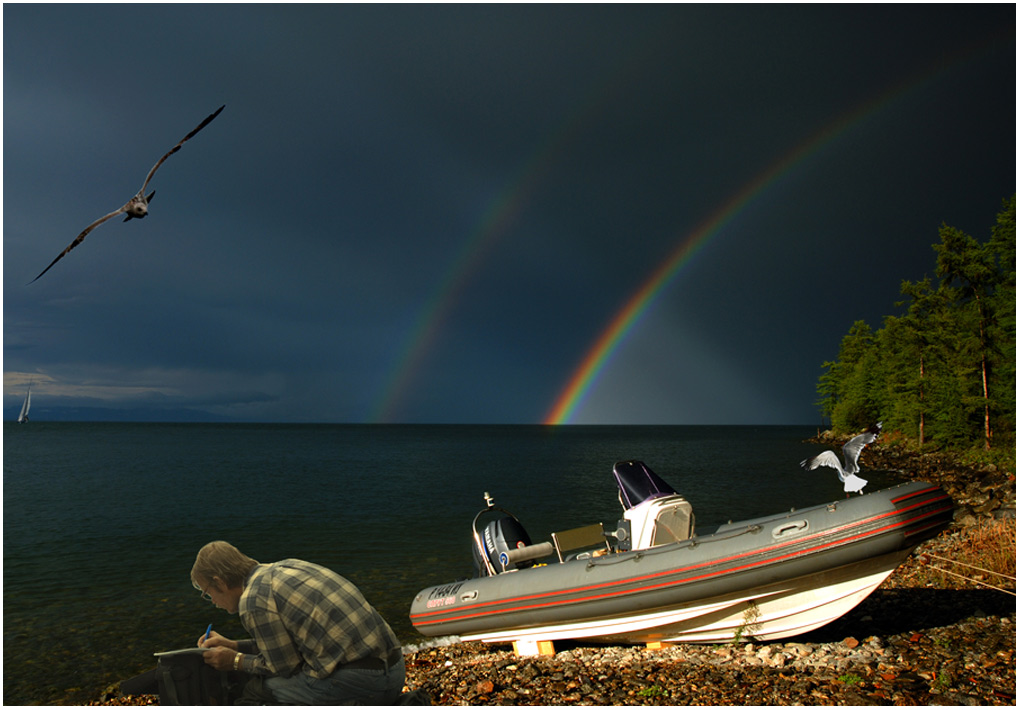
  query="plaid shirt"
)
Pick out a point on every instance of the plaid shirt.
point(304, 617)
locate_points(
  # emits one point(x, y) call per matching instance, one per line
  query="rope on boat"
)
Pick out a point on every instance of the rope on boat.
point(690, 542)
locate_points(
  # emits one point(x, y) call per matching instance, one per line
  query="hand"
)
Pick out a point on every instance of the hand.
point(215, 640)
point(219, 657)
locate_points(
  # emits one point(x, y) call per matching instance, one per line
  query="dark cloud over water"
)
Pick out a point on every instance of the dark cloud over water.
point(432, 213)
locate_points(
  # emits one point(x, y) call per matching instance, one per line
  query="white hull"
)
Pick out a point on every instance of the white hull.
point(764, 613)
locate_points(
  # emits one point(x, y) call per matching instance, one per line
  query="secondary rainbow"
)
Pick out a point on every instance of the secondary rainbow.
point(495, 221)
point(421, 337)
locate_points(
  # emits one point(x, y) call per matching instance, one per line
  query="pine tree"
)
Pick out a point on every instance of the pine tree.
point(1002, 249)
point(948, 361)
point(969, 269)
point(848, 390)
point(916, 348)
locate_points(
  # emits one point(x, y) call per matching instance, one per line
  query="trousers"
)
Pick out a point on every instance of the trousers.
point(346, 686)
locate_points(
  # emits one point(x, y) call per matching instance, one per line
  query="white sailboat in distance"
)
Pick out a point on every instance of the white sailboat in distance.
point(23, 417)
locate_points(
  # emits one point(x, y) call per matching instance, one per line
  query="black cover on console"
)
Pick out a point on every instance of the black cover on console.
point(639, 483)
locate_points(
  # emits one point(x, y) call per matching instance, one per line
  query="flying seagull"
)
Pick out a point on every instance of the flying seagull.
point(138, 206)
point(848, 469)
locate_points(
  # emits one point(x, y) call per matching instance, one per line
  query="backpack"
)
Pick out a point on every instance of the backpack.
point(185, 679)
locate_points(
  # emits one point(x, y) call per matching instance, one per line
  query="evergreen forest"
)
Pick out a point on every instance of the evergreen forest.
point(943, 371)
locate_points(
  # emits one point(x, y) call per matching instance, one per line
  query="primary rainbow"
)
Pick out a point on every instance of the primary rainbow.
point(623, 322)
point(629, 315)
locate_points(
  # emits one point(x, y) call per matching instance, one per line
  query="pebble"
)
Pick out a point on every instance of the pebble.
point(929, 667)
point(903, 645)
point(969, 662)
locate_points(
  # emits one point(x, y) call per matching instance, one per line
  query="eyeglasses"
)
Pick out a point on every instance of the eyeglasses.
point(205, 592)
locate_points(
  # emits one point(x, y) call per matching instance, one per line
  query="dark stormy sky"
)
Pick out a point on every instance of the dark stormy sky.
point(434, 213)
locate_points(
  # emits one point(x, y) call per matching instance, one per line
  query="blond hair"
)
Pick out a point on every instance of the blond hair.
point(222, 560)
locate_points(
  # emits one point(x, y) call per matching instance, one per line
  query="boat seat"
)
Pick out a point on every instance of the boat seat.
point(580, 538)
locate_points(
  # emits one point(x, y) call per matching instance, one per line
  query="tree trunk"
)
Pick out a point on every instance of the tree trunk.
point(984, 372)
point(988, 413)
point(920, 423)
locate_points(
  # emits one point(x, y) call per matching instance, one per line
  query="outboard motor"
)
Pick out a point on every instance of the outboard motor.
point(499, 537)
point(503, 545)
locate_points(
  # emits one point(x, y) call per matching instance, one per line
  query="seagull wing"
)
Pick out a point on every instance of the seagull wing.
point(199, 127)
point(80, 238)
point(826, 458)
point(853, 448)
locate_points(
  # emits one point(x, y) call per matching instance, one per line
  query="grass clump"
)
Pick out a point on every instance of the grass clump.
point(984, 554)
point(652, 691)
point(748, 627)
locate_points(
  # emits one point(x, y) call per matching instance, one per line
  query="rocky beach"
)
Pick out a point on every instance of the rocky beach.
point(904, 645)
point(935, 633)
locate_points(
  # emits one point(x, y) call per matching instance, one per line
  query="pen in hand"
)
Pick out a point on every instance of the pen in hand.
point(208, 630)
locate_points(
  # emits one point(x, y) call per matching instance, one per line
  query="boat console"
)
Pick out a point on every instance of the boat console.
point(653, 512)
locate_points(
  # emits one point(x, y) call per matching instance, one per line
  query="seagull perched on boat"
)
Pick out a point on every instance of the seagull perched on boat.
point(138, 206)
point(848, 469)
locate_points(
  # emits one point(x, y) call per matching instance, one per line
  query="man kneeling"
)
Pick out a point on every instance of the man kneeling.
point(315, 639)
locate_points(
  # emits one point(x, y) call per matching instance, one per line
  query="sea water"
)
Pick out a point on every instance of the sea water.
point(102, 521)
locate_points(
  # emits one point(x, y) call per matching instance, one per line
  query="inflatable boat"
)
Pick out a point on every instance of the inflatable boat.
point(656, 578)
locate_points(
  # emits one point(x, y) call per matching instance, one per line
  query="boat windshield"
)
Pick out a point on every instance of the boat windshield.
point(639, 483)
